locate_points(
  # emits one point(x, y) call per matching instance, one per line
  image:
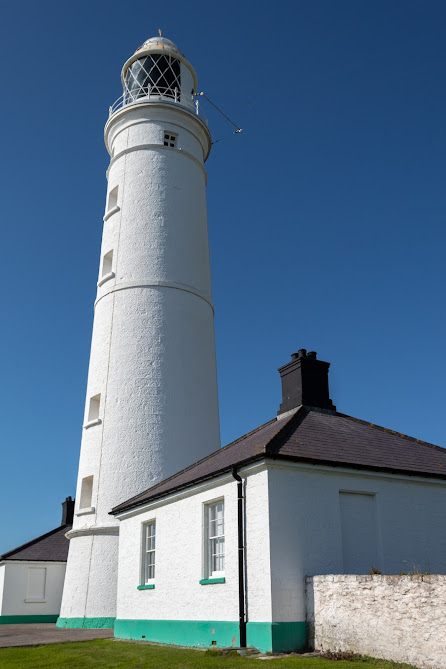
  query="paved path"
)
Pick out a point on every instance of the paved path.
point(35, 634)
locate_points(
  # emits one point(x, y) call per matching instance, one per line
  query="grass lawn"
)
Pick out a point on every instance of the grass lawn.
point(109, 654)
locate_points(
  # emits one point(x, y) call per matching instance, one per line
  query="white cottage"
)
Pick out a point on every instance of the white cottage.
point(32, 575)
point(312, 491)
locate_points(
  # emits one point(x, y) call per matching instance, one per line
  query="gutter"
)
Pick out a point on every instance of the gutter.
point(241, 559)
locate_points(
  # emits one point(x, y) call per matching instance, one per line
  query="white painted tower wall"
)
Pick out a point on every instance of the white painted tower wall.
point(153, 353)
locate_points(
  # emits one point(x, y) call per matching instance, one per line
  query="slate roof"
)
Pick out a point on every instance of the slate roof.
point(311, 436)
point(50, 547)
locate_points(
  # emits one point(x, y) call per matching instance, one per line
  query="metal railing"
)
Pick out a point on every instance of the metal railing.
point(155, 94)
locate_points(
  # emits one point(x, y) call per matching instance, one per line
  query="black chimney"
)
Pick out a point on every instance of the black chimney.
point(67, 511)
point(305, 381)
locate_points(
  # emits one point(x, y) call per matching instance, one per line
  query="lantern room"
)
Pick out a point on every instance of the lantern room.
point(159, 71)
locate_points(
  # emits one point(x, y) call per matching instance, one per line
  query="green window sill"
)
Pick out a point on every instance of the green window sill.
point(210, 581)
point(150, 586)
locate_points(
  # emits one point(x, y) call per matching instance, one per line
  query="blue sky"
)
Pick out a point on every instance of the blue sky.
point(326, 215)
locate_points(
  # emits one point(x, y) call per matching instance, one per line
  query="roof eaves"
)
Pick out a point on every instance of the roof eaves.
point(15, 559)
point(183, 486)
point(354, 465)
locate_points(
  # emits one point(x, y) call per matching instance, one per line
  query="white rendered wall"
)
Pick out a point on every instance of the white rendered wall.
point(179, 562)
point(305, 527)
point(15, 589)
point(257, 537)
point(178, 595)
point(153, 352)
point(2, 581)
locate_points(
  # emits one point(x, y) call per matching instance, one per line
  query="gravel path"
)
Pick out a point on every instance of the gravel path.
point(36, 634)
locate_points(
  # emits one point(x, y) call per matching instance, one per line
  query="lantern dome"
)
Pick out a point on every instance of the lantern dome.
point(159, 42)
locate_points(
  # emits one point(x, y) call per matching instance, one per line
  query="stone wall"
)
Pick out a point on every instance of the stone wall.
point(400, 618)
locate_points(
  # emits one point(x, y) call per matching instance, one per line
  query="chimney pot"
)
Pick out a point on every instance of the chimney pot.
point(302, 352)
point(67, 511)
point(312, 354)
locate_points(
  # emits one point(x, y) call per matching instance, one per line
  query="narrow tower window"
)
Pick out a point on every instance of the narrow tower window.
point(112, 199)
point(170, 140)
point(107, 268)
point(107, 263)
point(93, 410)
point(86, 492)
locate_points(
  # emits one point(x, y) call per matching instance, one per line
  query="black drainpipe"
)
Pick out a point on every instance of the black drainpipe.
point(241, 560)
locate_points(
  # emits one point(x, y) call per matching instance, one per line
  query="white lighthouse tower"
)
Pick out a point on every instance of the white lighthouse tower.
point(151, 405)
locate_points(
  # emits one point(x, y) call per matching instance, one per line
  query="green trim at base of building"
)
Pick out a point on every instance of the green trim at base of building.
point(277, 637)
point(20, 620)
point(266, 637)
point(90, 623)
point(198, 633)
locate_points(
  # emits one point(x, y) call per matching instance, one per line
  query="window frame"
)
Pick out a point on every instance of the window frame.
point(170, 139)
point(210, 555)
point(144, 578)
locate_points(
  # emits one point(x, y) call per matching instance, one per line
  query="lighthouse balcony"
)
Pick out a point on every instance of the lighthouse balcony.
point(154, 94)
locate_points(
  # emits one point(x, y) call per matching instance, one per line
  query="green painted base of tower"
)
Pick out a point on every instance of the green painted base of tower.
point(266, 637)
point(90, 623)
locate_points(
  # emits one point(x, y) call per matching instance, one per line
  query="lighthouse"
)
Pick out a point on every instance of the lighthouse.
point(151, 406)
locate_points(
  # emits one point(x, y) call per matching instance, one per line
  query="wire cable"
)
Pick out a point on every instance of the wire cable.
point(238, 129)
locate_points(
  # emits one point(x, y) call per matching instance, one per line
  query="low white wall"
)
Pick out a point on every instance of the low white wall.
point(16, 589)
point(400, 618)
